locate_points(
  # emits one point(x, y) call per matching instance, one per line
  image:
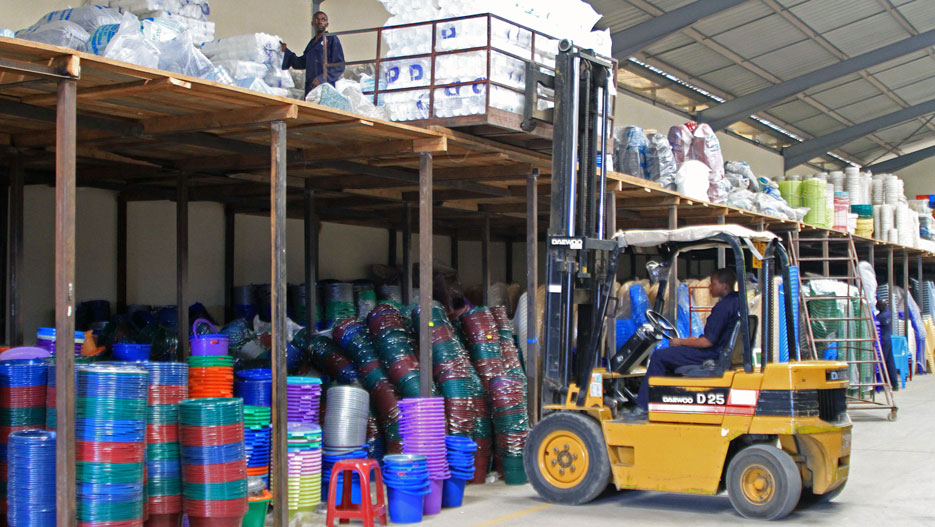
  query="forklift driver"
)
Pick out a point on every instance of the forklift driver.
point(696, 350)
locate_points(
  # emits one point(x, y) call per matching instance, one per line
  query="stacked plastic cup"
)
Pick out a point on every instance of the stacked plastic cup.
point(423, 429)
point(210, 376)
point(214, 469)
point(110, 432)
point(303, 399)
point(328, 459)
point(254, 386)
point(32, 479)
point(407, 483)
point(461, 465)
point(168, 386)
point(305, 466)
point(22, 406)
point(258, 440)
point(388, 330)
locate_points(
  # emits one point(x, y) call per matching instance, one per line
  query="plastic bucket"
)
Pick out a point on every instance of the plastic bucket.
point(513, 471)
point(132, 352)
point(256, 514)
point(453, 492)
point(433, 500)
point(481, 467)
point(403, 506)
point(213, 344)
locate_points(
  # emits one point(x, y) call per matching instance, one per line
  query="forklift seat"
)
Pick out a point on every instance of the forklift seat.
point(711, 367)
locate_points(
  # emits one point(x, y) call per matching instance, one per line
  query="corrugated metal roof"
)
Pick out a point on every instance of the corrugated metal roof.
point(861, 148)
point(825, 15)
point(755, 31)
point(809, 56)
point(899, 133)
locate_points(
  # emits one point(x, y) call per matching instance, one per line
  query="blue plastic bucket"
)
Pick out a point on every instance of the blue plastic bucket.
point(355, 492)
point(404, 506)
point(453, 492)
point(132, 352)
point(213, 344)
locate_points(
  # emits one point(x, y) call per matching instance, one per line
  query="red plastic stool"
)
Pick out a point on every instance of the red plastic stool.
point(347, 511)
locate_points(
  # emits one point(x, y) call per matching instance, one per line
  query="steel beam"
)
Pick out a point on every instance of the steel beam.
point(633, 39)
point(181, 265)
point(65, 132)
point(277, 222)
point(425, 274)
point(532, 277)
point(799, 153)
point(901, 162)
point(722, 115)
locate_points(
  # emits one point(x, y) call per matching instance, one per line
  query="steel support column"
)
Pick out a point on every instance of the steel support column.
point(891, 289)
point(407, 255)
point(898, 163)
point(673, 217)
point(181, 265)
point(425, 274)
point(532, 277)
point(311, 258)
point(907, 293)
point(721, 252)
point(17, 208)
point(610, 330)
point(65, 129)
point(277, 224)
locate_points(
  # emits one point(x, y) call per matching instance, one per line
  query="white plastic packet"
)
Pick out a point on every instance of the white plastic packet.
point(124, 41)
point(89, 17)
point(691, 180)
point(327, 95)
point(59, 33)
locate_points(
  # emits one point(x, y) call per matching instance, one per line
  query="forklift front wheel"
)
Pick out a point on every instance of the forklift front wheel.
point(763, 482)
point(566, 459)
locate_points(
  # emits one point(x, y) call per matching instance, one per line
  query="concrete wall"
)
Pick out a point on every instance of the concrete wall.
point(919, 178)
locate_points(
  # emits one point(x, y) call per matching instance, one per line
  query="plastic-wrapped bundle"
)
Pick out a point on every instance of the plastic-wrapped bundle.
point(254, 47)
point(693, 141)
point(58, 33)
point(480, 331)
point(326, 357)
point(692, 179)
point(742, 198)
point(510, 353)
point(339, 301)
point(394, 345)
point(124, 41)
point(660, 163)
point(630, 145)
point(739, 174)
point(365, 297)
point(88, 17)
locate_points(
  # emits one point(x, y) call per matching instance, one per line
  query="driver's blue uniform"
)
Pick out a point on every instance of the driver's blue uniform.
point(664, 361)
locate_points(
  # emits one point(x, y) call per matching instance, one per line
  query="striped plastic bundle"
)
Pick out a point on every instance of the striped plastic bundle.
point(168, 386)
point(110, 433)
point(813, 197)
point(258, 440)
point(32, 479)
point(305, 467)
point(214, 468)
point(303, 399)
point(510, 352)
point(22, 407)
point(50, 392)
point(389, 333)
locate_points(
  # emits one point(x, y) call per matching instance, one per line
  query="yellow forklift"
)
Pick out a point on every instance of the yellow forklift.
point(772, 434)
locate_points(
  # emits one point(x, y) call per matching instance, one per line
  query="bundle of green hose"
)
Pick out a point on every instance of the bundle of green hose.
point(813, 192)
point(791, 190)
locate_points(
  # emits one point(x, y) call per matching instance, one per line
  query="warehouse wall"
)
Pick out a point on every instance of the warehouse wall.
point(919, 178)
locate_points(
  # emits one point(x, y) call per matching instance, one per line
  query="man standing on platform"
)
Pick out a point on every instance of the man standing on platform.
point(323, 58)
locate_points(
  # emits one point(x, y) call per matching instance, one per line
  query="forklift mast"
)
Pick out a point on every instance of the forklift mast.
point(580, 258)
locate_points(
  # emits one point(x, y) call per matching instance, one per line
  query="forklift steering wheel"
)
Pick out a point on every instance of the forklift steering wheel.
point(662, 325)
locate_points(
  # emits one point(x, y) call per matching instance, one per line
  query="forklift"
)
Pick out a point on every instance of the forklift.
point(774, 435)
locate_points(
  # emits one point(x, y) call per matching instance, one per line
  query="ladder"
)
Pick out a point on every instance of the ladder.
point(841, 318)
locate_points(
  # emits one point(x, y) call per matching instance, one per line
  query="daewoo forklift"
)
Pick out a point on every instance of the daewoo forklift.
point(773, 435)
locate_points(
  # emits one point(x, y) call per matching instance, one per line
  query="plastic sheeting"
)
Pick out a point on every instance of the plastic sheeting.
point(630, 149)
point(660, 163)
point(653, 238)
point(58, 33)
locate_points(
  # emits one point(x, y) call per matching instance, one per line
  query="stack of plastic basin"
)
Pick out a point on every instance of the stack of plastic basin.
point(511, 424)
point(388, 329)
point(214, 468)
point(22, 406)
point(303, 400)
point(210, 377)
point(110, 432)
point(259, 505)
point(131, 352)
point(254, 386)
point(258, 440)
point(45, 339)
point(305, 467)
point(208, 344)
point(32, 479)
point(406, 477)
point(423, 429)
point(328, 459)
point(461, 465)
point(168, 386)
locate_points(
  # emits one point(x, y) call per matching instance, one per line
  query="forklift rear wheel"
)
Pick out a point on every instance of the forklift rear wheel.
point(809, 498)
point(566, 459)
point(763, 482)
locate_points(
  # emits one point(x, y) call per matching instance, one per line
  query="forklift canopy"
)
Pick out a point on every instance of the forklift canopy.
point(698, 233)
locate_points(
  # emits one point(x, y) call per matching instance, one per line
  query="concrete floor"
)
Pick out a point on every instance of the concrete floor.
point(891, 483)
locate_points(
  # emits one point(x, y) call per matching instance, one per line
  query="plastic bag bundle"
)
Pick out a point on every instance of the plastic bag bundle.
point(124, 41)
point(58, 33)
point(660, 163)
point(194, 9)
point(88, 17)
point(630, 145)
point(327, 95)
point(253, 47)
point(739, 174)
point(692, 180)
point(742, 198)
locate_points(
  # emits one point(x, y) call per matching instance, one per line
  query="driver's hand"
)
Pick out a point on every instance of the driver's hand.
point(675, 342)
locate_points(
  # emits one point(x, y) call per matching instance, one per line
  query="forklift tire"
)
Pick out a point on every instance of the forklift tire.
point(566, 458)
point(763, 482)
point(809, 498)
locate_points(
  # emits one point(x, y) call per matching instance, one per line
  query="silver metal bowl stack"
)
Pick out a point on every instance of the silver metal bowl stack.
point(346, 413)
